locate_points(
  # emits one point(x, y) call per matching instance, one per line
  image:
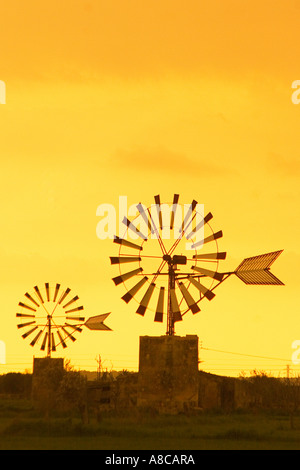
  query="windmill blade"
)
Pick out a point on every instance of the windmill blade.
point(69, 335)
point(27, 306)
point(21, 325)
point(75, 327)
point(160, 306)
point(146, 299)
point(44, 342)
point(158, 209)
point(132, 227)
point(25, 315)
point(124, 259)
point(210, 238)
point(96, 322)
point(256, 270)
point(71, 301)
point(131, 293)
point(124, 277)
point(32, 299)
point(38, 294)
point(36, 338)
point(174, 208)
point(191, 209)
point(145, 217)
point(61, 339)
point(192, 304)
point(56, 292)
point(75, 309)
point(206, 292)
point(175, 306)
point(53, 346)
point(29, 332)
point(47, 291)
point(64, 295)
point(75, 318)
point(121, 241)
point(201, 224)
point(220, 255)
point(209, 273)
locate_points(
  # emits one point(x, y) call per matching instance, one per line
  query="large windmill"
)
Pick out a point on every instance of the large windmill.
point(175, 261)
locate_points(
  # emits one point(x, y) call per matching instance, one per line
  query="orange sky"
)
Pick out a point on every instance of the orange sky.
point(136, 98)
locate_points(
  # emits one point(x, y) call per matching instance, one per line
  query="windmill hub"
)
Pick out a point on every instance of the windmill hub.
point(176, 259)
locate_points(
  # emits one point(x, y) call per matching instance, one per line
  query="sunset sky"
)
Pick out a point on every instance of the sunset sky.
point(109, 98)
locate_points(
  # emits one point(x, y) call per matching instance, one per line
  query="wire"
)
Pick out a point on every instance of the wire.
point(248, 355)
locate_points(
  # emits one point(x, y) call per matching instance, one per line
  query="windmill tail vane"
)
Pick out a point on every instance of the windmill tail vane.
point(178, 285)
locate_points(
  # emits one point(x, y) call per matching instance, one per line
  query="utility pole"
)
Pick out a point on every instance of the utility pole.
point(99, 367)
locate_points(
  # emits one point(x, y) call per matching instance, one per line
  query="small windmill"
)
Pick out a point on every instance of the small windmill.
point(54, 317)
point(180, 276)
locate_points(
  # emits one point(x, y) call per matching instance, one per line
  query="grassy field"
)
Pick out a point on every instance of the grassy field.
point(22, 428)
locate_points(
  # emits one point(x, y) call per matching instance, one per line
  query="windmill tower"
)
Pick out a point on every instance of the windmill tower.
point(175, 265)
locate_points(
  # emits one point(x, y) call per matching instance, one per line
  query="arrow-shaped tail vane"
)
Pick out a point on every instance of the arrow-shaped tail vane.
point(96, 323)
point(256, 270)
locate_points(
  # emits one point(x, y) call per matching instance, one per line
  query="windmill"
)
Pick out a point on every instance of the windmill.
point(50, 317)
point(171, 275)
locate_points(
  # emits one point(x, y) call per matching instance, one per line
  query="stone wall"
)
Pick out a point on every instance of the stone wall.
point(168, 372)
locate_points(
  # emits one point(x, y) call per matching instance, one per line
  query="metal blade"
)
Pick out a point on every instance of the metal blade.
point(158, 208)
point(64, 295)
point(131, 293)
point(132, 227)
point(145, 217)
point(44, 342)
point(188, 215)
point(75, 318)
point(25, 315)
point(36, 338)
point(21, 325)
point(206, 292)
point(69, 335)
point(160, 306)
point(47, 291)
point(56, 292)
point(29, 332)
point(71, 301)
point(202, 222)
point(175, 306)
point(209, 273)
point(27, 306)
point(32, 299)
point(119, 279)
point(75, 327)
point(75, 309)
point(39, 294)
point(121, 241)
point(53, 347)
point(212, 237)
point(188, 298)
point(221, 255)
point(61, 340)
point(145, 300)
point(124, 259)
point(96, 322)
point(173, 212)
